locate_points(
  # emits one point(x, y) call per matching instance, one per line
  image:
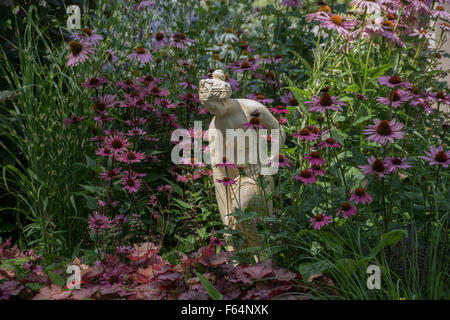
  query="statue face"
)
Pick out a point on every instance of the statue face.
point(214, 93)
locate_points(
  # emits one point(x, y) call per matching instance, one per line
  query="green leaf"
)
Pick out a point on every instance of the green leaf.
point(390, 238)
point(212, 292)
point(56, 278)
point(352, 88)
point(182, 203)
point(311, 268)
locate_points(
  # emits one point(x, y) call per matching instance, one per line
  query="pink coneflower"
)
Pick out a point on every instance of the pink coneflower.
point(314, 158)
point(347, 210)
point(245, 65)
point(279, 110)
point(444, 26)
point(369, 6)
point(395, 163)
point(393, 82)
point(104, 152)
point(131, 182)
point(396, 98)
point(99, 222)
point(336, 23)
point(110, 57)
point(187, 84)
point(116, 143)
point(325, 102)
point(306, 176)
point(160, 40)
point(131, 156)
point(305, 134)
point(421, 33)
point(292, 3)
point(225, 164)
point(259, 97)
point(180, 41)
point(165, 188)
point(94, 82)
point(233, 83)
point(192, 163)
point(89, 36)
point(73, 119)
point(255, 123)
point(104, 102)
point(383, 131)
point(317, 170)
point(150, 80)
point(126, 84)
point(319, 220)
point(330, 143)
point(145, 4)
point(111, 174)
point(226, 181)
point(79, 51)
point(189, 97)
point(360, 195)
point(289, 100)
point(108, 204)
point(282, 161)
point(440, 12)
point(141, 55)
point(437, 156)
point(136, 132)
point(441, 97)
point(376, 167)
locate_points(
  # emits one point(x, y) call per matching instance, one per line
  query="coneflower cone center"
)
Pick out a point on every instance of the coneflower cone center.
point(130, 182)
point(131, 156)
point(116, 144)
point(245, 64)
point(159, 36)
point(440, 95)
point(384, 128)
point(140, 51)
point(304, 132)
point(318, 217)
point(360, 192)
point(395, 80)
point(325, 99)
point(441, 156)
point(346, 206)
point(315, 155)
point(394, 96)
point(293, 102)
point(260, 96)
point(305, 174)
point(75, 47)
point(337, 20)
point(330, 140)
point(93, 81)
point(397, 161)
point(254, 121)
point(99, 106)
point(378, 166)
point(87, 31)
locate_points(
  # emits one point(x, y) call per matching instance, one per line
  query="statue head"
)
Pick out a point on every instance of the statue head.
point(214, 93)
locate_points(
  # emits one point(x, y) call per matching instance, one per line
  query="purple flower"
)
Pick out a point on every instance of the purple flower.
point(347, 210)
point(244, 65)
point(94, 82)
point(226, 181)
point(131, 182)
point(360, 195)
point(437, 156)
point(398, 97)
point(89, 36)
point(254, 123)
point(279, 110)
point(306, 134)
point(73, 119)
point(141, 55)
point(259, 97)
point(319, 220)
point(288, 99)
point(325, 102)
point(330, 143)
point(383, 131)
point(395, 163)
point(376, 167)
point(99, 222)
point(79, 51)
point(306, 176)
point(393, 82)
point(113, 276)
point(314, 158)
point(336, 23)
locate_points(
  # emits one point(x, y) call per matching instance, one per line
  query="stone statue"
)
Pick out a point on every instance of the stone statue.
point(251, 188)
